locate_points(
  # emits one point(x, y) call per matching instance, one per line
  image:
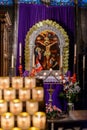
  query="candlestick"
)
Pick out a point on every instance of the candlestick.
point(75, 50)
point(12, 61)
point(83, 61)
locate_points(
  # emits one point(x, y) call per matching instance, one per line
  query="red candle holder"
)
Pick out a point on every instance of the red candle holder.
point(20, 70)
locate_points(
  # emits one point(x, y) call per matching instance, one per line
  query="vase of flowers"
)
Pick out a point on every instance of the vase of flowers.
point(70, 91)
point(52, 111)
point(70, 106)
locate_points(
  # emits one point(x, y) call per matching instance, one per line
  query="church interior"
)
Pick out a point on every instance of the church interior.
point(43, 57)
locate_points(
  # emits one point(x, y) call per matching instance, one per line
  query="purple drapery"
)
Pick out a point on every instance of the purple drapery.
point(29, 14)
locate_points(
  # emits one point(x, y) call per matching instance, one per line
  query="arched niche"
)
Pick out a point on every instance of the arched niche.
point(35, 31)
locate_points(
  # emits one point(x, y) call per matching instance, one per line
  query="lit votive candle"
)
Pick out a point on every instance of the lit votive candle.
point(23, 120)
point(0, 93)
point(38, 93)
point(31, 106)
point(39, 120)
point(4, 82)
point(16, 106)
point(24, 94)
point(3, 106)
point(30, 82)
point(7, 121)
point(33, 128)
point(17, 82)
point(9, 94)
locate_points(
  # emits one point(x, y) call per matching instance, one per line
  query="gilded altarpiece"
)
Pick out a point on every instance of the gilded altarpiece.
point(47, 43)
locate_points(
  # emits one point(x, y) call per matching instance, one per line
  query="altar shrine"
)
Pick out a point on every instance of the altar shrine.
point(47, 50)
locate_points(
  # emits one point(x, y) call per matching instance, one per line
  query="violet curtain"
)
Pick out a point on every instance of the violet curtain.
point(30, 14)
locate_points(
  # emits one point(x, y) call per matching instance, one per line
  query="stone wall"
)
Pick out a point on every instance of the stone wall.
point(82, 50)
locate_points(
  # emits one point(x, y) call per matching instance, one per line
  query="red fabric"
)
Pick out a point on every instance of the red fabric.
point(33, 72)
point(74, 78)
point(38, 66)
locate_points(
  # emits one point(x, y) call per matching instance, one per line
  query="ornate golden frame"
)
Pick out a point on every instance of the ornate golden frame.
point(56, 26)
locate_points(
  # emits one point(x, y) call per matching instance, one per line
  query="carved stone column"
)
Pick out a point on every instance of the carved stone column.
point(5, 23)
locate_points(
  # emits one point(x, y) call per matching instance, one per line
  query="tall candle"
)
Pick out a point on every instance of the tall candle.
point(61, 61)
point(12, 61)
point(75, 50)
point(83, 61)
point(33, 60)
point(20, 49)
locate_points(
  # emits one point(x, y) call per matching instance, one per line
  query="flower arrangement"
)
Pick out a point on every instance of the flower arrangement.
point(71, 88)
point(52, 111)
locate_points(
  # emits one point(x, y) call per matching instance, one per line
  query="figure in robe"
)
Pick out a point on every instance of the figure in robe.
point(46, 41)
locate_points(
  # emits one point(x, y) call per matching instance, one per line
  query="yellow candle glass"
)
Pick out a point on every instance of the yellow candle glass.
point(23, 120)
point(7, 121)
point(16, 128)
point(17, 82)
point(24, 94)
point(39, 120)
point(3, 106)
point(33, 128)
point(4, 82)
point(16, 106)
point(38, 93)
point(9, 94)
point(30, 82)
point(31, 106)
point(0, 93)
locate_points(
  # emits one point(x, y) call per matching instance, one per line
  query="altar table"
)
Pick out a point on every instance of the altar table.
point(76, 118)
